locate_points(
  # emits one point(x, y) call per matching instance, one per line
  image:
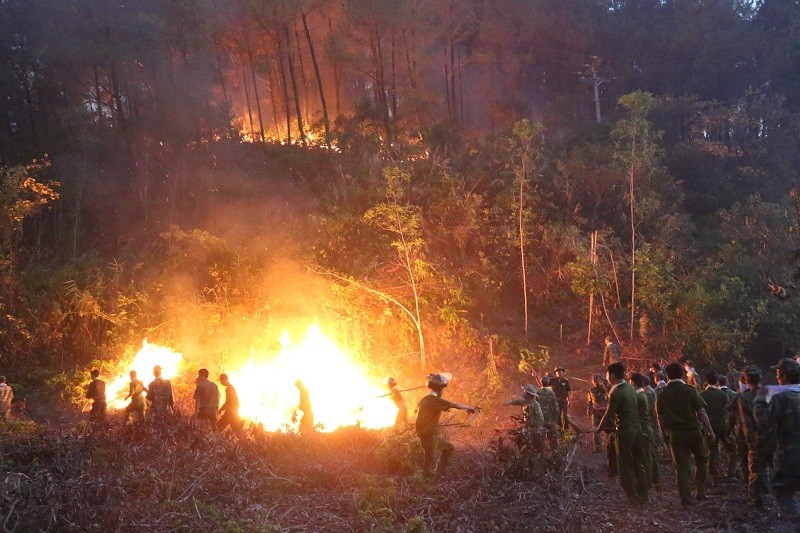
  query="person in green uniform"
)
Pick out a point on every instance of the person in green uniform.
point(549, 404)
point(759, 439)
point(136, 393)
point(681, 415)
point(596, 404)
point(532, 417)
point(779, 407)
point(622, 416)
point(641, 382)
point(560, 385)
point(729, 442)
point(429, 410)
point(716, 403)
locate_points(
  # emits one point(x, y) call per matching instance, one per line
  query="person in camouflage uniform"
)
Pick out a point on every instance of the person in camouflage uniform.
point(759, 438)
point(716, 404)
point(532, 416)
point(779, 408)
point(622, 417)
point(596, 404)
point(648, 443)
point(612, 353)
point(429, 410)
point(681, 413)
point(136, 391)
point(159, 394)
point(729, 442)
point(549, 404)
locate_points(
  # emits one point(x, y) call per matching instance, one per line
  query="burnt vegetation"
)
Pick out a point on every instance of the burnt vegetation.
point(445, 184)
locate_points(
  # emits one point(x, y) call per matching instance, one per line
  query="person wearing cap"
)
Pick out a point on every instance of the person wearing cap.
point(716, 404)
point(429, 410)
point(136, 393)
point(682, 417)
point(96, 391)
point(532, 415)
point(648, 443)
point(622, 417)
point(612, 352)
point(401, 420)
point(304, 405)
point(549, 404)
point(560, 385)
point(6, 395)
point(206, 399)
point(779, 407)
point(159, 394)
point(759, 439)
point(596, 404)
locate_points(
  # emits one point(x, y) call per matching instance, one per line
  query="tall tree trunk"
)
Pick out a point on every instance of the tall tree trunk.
point(290, 61)
point(453, 80)
point(306, 107)
point(98, 98)
point(631, 176)
point(394, 79)
point(325, 121)
point(255, 91)
point(521, 228)
point(447, 81)
point(284, 84)
point(275, 119)
point(462, 115)
point(247, 101)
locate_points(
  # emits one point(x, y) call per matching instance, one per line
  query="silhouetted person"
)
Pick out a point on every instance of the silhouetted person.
point(307, 420)
point(230, 409)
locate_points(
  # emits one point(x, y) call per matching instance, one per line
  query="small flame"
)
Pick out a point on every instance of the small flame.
point(149, 356)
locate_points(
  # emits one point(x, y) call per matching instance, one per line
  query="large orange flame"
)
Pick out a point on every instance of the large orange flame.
point(143, 362)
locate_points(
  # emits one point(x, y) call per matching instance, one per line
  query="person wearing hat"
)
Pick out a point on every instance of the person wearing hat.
point(560, 385)
point(759, 439)
point(612, 352)
point(96, 391)
point(429, 410)
point(779, 408)
point(596, 404)
point(401, 420)
point(549, 404)
point(682, 417)
point(532, 415)
point(622, 417)
point(159, 394)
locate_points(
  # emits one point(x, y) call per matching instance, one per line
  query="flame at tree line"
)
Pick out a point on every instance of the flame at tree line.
point(343, 392)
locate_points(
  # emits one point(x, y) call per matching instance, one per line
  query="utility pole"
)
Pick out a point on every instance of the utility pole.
point(590, 76)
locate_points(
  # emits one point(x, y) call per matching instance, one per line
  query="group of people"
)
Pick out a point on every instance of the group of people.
point(158, 401)
point(755, 427)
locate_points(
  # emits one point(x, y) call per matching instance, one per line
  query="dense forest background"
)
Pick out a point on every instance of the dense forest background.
point(440, 180)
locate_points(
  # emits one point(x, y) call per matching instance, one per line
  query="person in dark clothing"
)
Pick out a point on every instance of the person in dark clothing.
point(162, 403)
point(729, 442)
point(682, 417)
point(230, 409)
point(759, 438)
point(648, 443)
point(96, 391)
point(136, 393)
point(206, 399)
point(560, 386)
point(778, 407)
point(429, 410)
point(716, 405)
point(596, 404)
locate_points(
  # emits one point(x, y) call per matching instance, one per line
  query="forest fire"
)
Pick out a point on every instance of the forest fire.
point(342, 391)
point(146, 358)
